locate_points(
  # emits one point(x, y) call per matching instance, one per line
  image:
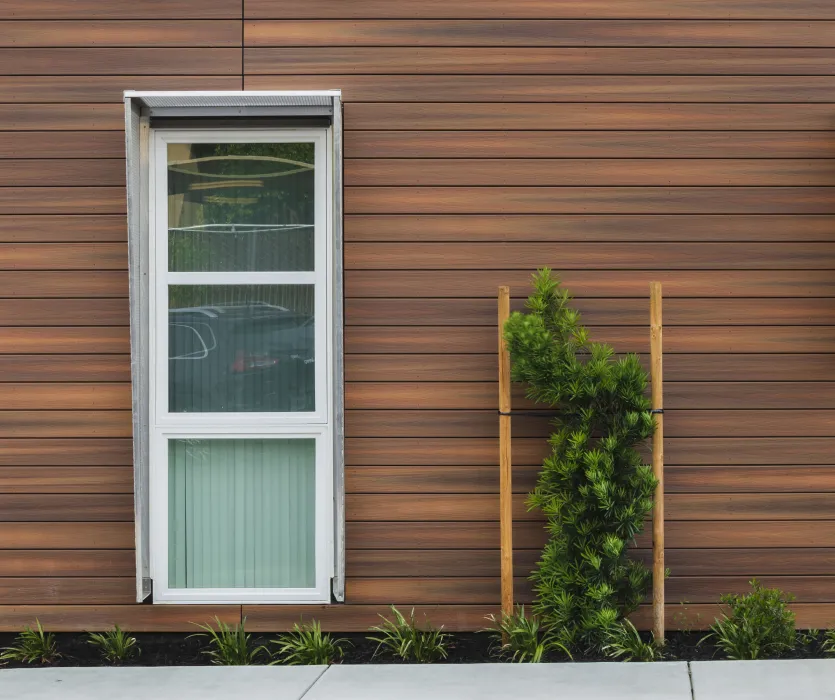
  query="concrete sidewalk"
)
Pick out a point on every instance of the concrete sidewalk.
point(711, 680)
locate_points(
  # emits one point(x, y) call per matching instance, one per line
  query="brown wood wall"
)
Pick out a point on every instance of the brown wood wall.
point(691, 141)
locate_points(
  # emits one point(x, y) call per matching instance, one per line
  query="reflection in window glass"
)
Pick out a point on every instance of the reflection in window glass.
point(241, 348)
point(237, 207)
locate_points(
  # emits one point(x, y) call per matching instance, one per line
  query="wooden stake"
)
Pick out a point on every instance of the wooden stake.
point(505, 491)
point(657, 376)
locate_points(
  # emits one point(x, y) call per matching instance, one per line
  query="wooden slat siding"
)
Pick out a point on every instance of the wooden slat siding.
point(121, 61)
point(64, 312)
point(107, 452)
point(65, 423)
point(426, 422)
point(38, 228)
point(68, 144)
point(62, 117)
point(66, 340)
point(136, 618)
point(564, 228)
point(397, 116)
point(105, 590)
point(509, 61)
point(61, 368)
point(83, 284)
point(66, 480)
point(62, 200)
point(66, 536)
point(570, 200)
point(563, 172)
point(557, 88)
point(544, 33)
point(61, 562)
point(538, 9)
point(666, 145)
point(151, 33)
point(681, 367)
point(120, 9)
point(62, 256)
point(600, 312)
point(719, 479)
point(55, 396)
point(57, 173)
point(66, 507)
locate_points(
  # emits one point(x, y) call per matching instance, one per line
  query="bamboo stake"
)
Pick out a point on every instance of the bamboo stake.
point(656, 355)
point(505, 491)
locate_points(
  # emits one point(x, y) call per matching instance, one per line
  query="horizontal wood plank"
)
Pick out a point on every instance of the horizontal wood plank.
point(63, 256)
point(145, 33)
point(120, 9)
point(66, 423)
point(66, 507)
point(62, 117)
point(67, 562)
point(572, 200)
point(64, 312)
point(69, 144)
point(69, 368)
point(107, 452)
point(65, 536)
point(78, 172)
point(63, 200)
point(493, 172)
point(65, 340)
point(101, 283)
point(121, 61)
point(66, 480)
point(527, 61)
point(63, 396)
point(562, 88)
point(37, 228)
point(436, 562)
point(547, 33)
point(588, 144)
point(403, 116)
point(98, 590)
point(537, 9)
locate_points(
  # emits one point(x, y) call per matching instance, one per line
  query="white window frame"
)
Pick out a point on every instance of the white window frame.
point(317, 424)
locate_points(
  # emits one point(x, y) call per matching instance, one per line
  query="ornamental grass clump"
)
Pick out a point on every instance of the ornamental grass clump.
point(594, 488)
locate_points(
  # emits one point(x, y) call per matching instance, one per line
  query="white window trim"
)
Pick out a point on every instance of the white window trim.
point(318, 424)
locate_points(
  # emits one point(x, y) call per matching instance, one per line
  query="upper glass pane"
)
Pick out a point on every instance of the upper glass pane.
point(240, 207)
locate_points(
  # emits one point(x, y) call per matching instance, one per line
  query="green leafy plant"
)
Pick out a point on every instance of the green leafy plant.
point(828, 645)
point(523, 639)
point(759, 624)
point(403, 638)
point(625, 642)
point(307, 645)
point(594, 489)
point(32, 645)
point(115, 645)
point(230, 646)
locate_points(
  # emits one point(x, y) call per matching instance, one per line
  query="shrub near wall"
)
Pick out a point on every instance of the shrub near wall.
point(594, 489)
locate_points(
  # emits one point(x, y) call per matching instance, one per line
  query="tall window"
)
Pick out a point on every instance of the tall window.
point(241, 411)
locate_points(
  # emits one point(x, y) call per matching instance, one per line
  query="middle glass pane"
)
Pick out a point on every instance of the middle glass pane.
point(241, 348)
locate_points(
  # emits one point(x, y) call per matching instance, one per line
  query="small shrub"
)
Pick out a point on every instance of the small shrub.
point(625, 642)
point(231, 646)
point(523, 639)
point(759, 625)
point(828, 645)
point(114, 645)
point(32, 645)
point(307, 645)
point(402, 638)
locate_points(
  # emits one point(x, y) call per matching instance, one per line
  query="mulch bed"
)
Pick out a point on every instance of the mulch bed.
point(185, 650)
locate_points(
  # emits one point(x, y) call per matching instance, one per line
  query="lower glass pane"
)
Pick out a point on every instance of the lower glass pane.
point(241, 513)
point(241, 348)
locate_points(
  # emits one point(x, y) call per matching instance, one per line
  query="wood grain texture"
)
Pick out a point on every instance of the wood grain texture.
point(561, 88)
point(121, 61)
point(65, 117)
point(86, 396)
point(547, 33)
point(67, 537)
point(62, 200)
point(62, 256)
point(37, 228)
point(147, 33)
point(65, 423)
point(66, 507)
point(492, 172)
point(66, 480)
point(77, 172)
point(64, 312)
point(60, 368)
point(499, 61)
point(65, 340)
point(522, 115)
point(97, 589)
point(66, 452)
point(69, 144)
point(540, 9)
point(62, 562)
point(59, 285)
point(120, 9)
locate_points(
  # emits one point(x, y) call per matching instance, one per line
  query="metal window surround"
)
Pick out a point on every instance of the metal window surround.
point(140, 107)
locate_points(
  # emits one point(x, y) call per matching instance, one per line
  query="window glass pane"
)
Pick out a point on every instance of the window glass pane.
point(237, 207)
point(241, 513)
point(241, 348)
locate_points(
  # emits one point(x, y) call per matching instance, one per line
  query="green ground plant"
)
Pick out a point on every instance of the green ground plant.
point(404, 639)
point(32, 645)
point(759, 624)
point(115, 645)
point(307, 645)
point(594, 489)
point(521, 638)
point(625, 642)
point(230, 646)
